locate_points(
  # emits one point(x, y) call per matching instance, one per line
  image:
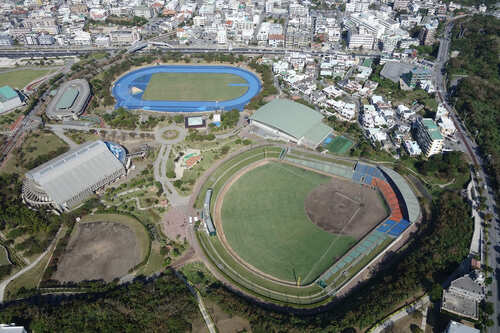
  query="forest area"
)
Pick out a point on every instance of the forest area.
point(477, 40)
point(161, 305)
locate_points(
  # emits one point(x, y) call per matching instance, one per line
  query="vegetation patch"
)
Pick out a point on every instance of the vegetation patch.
point(18, 79)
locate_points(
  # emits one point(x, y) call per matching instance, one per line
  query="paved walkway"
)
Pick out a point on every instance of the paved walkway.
point(5, 283)
point(59, 131)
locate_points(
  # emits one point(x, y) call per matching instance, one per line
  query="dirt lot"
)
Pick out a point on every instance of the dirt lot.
point(346, 208)
point(99, 250)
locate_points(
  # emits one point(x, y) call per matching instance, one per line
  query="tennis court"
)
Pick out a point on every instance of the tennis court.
point(339, 145)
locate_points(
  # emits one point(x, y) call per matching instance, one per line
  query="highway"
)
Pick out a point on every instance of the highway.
point(66, 52)
point(472, 150)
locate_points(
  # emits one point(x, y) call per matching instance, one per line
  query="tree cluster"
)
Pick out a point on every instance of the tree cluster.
point(161, 305)
point(477, 40)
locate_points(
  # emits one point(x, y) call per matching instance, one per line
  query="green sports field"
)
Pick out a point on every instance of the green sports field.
point(194, 87)
point(20, 78)
point(339, 145)
point(265, 222)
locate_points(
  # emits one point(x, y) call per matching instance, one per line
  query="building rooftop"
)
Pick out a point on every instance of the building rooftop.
point(466, 283)
point(7, 93)
point(455, 327)
point(432, 128)
point(292, 118)
point(68, 98)
point(73, 172)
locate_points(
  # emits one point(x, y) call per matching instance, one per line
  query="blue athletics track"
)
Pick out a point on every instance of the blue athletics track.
point(122, 90)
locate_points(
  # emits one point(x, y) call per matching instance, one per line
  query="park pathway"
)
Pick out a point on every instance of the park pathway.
point(5, 283)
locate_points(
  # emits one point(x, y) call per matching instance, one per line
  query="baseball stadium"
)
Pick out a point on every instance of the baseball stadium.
point(186, 88)
point(295, 227)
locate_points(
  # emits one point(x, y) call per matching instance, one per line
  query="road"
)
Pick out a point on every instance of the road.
point(63, 52)
point(5, 283)
point(472, 151)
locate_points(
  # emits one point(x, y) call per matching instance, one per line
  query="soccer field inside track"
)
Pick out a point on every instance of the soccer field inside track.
point(194, 87)
point(186, 88)
point(339, 145)
point(265, 223)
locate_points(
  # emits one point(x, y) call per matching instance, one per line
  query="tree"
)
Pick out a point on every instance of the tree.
point(415, 329)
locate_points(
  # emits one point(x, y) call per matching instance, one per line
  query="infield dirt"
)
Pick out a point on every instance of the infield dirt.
point(99, 250)
point(345, 208)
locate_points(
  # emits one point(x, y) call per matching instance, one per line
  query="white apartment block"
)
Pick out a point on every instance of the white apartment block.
point(428, 136)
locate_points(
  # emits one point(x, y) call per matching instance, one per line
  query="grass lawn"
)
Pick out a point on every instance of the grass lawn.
point(80, 137)
point(6, 120)
point(339, 145)
point(31, 278)
point(140, 231)
point(155, 262)
point(265, 222)
point(20, 78)
point(37, 148)
point(194, 87)
point(4, 259)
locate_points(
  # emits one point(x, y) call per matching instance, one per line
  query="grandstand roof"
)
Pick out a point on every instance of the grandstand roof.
point(68, 98)
point(73, 172)
point(294, 119)
point(409, 197)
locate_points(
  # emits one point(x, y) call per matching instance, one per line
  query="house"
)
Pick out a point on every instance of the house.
point(412, 148)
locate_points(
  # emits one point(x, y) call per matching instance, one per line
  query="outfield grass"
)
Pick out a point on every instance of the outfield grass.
point(20, 78)
point(265, 222)
point(222, 171)
point(193, 87)
point(339, 145)
point(251, 281)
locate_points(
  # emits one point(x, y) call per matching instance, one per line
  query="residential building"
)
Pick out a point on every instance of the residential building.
point(356, 39)
point(6, 40)
point(462, 297)
point(412, 148)
point(454, 327)
point(428, 136)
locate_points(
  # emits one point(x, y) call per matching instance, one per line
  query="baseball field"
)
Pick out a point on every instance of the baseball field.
point(194, 87)
point(277, 218)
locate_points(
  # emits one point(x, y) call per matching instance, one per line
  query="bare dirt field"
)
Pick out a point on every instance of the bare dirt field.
point(343, 207)
point(99, 250)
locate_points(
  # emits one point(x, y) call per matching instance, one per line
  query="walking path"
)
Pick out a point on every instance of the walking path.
point(389, 321)
point(5, 283)
point(59, 131)
point(204, 313)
